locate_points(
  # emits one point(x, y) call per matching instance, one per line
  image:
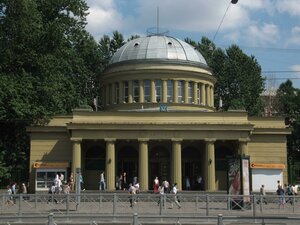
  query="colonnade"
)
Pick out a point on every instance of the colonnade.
point(176, 165)
point(154, 91)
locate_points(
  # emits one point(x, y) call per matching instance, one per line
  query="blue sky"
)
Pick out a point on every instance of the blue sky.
point(267, 29)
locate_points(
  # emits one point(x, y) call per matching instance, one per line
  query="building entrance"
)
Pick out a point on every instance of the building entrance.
point(127, 161)
point(191, 169)
point(159, 165)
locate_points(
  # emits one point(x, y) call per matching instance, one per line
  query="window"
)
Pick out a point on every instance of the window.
point(95, 158)
point(180, 91)
point(136, 90)
point(109, 94)
point(158, 90)
point(170, 91)
point(147, 90)
point(198, 94)
point(190, 92)
point(125, 83)
point(45, 177)
point(117, 94)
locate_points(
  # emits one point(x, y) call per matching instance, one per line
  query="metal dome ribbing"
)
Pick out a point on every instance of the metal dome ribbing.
point(158, 48)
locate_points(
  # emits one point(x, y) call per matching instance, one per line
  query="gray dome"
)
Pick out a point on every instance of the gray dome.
point(158, 48)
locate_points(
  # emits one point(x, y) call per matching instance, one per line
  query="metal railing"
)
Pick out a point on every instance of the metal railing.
point(115, 206)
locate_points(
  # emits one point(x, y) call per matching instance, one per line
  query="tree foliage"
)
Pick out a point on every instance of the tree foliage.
point(239, 81)
point(48, 65)
point(288, 105)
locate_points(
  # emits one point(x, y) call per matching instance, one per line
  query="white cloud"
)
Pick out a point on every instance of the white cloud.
point(194, 15)
point(294, 38)
point(296, 68)
point(103, 18)
point(267, 33)
point(291, 7)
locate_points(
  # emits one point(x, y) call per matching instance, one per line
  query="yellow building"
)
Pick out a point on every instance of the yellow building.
point(158, 119)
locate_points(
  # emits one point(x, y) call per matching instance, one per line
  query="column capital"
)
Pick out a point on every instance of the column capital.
point(76, 139)
point(143, 139)
point(110, 139)
point(244, 140)
point(210, 139)
point(176, 139)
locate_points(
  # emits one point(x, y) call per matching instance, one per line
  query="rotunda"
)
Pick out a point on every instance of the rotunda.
point(153, 70)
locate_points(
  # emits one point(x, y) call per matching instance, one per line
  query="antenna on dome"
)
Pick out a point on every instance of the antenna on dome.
point(157, 31)
point(157, 19)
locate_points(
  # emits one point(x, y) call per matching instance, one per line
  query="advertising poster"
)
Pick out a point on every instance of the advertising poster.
point(234, 176)
point(246, 179)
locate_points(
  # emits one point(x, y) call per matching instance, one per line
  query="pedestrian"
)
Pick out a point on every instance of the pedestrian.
point(155, 185)
point(9, 198)
point(81, 182)
point(132, 192)
point(71, 182)
point(124, 181)
point(23, 190)
point(289, 191)
point(102, 185)
point(161, 192)
point(187, 183)
point(199, 183)
point(174, 192)
point(262, 194)
point(166, 186)
point(280, 193)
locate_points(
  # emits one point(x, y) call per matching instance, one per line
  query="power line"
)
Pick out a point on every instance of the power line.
point(281, 71)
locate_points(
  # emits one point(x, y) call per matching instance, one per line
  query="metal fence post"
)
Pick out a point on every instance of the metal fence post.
point(228, 203)
point(260, 203)
point(135, 219)
point(160, 204)
point(197, 202)
point(220, 219)
point(207, 204)
point(253, 203)
point(20, 208)
point(35, 200)
point(50, 219)
point(68, 204)
point(293, 204)
point(114, 204)
point(100, 200)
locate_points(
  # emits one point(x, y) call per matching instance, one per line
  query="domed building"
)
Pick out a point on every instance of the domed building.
point(158, 119)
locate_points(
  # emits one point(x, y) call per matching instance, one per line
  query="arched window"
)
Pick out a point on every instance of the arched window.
point(147, 90)
point(158, 90)
point(180, 91)
point(198, 93)
point(117, 96)
point(125, 91)
point(170, 90)
point(136, 90)
point(190, 92)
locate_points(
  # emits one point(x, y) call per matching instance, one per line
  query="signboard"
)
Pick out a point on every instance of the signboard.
point(49, 165)
point(246, 179)
point(163, 108)
point(234, 176)
point(267, 166)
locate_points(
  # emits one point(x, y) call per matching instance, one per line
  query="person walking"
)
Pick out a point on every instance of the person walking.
point(174, 192)
point(81, 183)
point(262, 194)
point(102, 185)
point(71, 182)
point(132, 192)
point(155, 185)
point(9, 199)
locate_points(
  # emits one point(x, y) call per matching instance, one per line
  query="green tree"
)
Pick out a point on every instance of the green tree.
point(48, 65)
point(288, 105)
point(239, 81)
